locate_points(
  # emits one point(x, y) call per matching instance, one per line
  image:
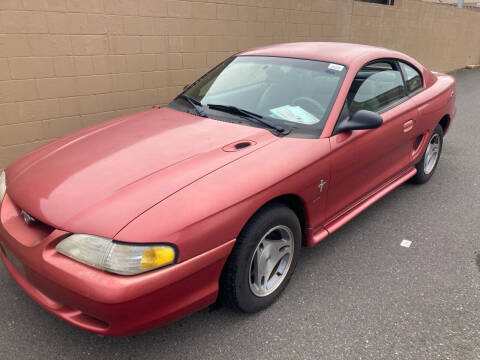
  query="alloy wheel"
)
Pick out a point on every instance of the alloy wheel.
point(271, 260)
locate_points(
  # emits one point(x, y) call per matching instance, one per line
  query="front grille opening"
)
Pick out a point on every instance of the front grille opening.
point(25, 230)
point(39, 226)
point(34, 223)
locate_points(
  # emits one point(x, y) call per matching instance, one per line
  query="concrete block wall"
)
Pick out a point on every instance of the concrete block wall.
point(67, 64)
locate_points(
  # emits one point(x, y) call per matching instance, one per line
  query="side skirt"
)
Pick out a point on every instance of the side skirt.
point(345, 216)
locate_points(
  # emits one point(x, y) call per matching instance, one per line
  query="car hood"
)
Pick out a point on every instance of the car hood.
point(99, 179)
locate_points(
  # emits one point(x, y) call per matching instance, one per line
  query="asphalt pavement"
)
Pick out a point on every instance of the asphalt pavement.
point(356, 295)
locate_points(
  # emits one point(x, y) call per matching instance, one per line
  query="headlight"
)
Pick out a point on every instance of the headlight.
point(3, 186)
point(114, 257)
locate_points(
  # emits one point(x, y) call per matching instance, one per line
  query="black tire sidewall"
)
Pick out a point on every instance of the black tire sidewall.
point(267, 218)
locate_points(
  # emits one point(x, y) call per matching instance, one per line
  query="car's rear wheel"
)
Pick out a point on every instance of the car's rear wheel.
point(263, 259)
point(427, 165)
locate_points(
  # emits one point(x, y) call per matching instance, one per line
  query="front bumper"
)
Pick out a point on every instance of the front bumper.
point(97, 301)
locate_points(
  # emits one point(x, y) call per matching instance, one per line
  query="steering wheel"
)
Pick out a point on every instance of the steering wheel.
point(311, 105)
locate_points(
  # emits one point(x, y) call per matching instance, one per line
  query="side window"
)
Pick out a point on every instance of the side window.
point(376, 86)
point(413, 78)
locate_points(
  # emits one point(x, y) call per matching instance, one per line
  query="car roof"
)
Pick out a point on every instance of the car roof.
point(342, 53)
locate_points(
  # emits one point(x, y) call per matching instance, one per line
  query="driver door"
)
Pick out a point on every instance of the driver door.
point(362, 160)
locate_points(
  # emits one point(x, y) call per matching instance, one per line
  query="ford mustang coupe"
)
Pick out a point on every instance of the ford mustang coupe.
point(138, 221)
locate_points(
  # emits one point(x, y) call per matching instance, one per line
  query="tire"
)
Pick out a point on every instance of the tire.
point(427, 165)
point(262, 241)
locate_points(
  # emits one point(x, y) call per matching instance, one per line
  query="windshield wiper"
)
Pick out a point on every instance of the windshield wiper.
point(197, 105)
point(249, 115)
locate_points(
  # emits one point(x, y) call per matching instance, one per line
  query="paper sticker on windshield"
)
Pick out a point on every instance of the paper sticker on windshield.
point(336, 67)
point(295, 114)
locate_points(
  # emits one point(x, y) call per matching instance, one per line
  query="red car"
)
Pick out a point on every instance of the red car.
point(141, 220)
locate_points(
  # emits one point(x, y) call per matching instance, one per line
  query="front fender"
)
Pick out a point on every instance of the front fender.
point(214, 209)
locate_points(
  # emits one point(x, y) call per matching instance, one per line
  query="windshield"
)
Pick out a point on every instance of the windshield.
point(296, 94)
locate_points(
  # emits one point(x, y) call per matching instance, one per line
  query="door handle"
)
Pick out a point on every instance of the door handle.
point(408, 125)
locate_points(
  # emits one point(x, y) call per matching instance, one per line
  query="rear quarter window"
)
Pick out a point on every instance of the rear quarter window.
point(413, 79)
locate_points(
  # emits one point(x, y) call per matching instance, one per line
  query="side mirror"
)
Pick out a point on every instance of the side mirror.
point(361, 120)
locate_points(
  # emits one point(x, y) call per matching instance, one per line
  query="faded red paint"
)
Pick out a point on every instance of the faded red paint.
point(165, 176)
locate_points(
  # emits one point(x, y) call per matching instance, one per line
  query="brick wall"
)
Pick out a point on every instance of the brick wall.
point(66, 64)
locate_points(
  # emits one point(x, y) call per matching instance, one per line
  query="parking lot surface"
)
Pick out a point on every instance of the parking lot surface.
point(356, 295)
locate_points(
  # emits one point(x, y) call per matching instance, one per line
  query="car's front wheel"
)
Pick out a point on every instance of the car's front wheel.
point(427, 165)
point(263, 259)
